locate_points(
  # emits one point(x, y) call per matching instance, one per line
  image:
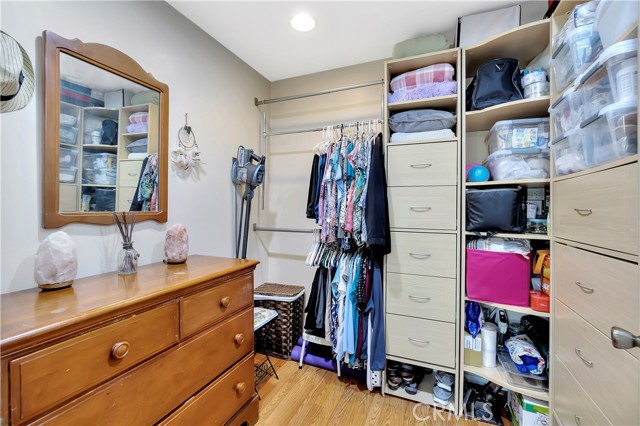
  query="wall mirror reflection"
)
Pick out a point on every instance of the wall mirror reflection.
point(105, 135)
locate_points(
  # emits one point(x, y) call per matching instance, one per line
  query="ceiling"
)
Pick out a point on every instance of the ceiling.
point(346, 33)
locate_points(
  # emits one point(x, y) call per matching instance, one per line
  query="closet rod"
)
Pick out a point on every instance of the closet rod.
point(317, 129)
point(323, 92)
point(293, 230)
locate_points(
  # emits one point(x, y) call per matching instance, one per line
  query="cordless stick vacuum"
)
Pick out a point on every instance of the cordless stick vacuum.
point(247, 169)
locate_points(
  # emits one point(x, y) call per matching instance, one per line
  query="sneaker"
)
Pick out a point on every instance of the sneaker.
point(441, 396)
point(444, 380)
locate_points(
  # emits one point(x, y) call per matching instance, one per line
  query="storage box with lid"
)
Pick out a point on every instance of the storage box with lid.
point(595, 91)
point(68, 174)
point(68, 156)
point(279, 336)
point(579, 48)
point(568, 152)
point(621, 61)
point(567, 111)
point(518, 135)
point(68, 134)
point(509, 164)
point(614, 18)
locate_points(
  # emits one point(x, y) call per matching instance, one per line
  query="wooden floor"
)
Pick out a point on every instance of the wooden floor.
point(313, 396)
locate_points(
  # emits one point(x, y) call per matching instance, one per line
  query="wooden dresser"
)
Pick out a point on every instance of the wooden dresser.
point(172, 344)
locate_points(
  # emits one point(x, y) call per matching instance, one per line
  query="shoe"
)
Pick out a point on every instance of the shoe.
point(444, 380)
point(394, 382)
point(411, 388)
point(393, 367)
point(441, 396)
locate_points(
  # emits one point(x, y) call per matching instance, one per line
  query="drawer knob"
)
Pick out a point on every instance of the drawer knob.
point(225, 301)
point(583, 212)
point(623, 339)
point(419, 299)
point(584, 288)
point(585, 360)
point(420, 255)
point(241, 387)
point(239, 339)
point(132, 174)
point(419, 209)
point(120, 350)
point(418, 341)
point(421, 166)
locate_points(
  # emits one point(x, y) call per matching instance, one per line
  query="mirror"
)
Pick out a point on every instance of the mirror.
point(105, 135)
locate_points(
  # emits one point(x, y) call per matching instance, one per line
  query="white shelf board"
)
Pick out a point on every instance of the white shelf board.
point(519, 309)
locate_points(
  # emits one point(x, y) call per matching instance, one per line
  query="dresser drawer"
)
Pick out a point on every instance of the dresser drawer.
point(600, 209)
point(125, 197)
point(421, 296)
point(48, 377)
point(603, 290)
point(206, 307)
point(423, 254)
point(129, 172)
point(234, 388)
point(423, 164)
point(608, 375)
point(146, 394)
point(421, 340)
point(429, 207)
point(571, 404)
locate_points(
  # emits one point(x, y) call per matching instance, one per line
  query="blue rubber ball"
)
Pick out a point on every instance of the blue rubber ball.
point(478, 174)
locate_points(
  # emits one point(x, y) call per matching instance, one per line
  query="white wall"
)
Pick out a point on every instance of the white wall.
point(205, 80)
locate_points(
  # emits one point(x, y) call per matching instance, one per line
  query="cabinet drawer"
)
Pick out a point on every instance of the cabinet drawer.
point(423, 164)
point(235, 388)
point(421, 340)
point(423, 254)
point(68, 201)
point(422, 297)
point(206, 307)
point(572, 405)
point(600, 209)
point(431, 207)
point(129, 172)
point(125, 196)
point(150, 391)
point(603, 290)
point(608, 375)
point(48, 377)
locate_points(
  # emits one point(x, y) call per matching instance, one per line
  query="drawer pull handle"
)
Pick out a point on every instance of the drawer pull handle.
point(578, 419)
point(421, 166)
point(132, 174)
point(120, 350)
point(225, 302)
point(583, 212)
point(419, 299)
point(586, 361)
point(239, 338)
point(420, 255)
point(241, 387)
point(584, 288)
point(419, 209)
point(418, 341)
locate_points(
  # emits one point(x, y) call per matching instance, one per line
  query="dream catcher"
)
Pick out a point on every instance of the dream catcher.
point(187, 154)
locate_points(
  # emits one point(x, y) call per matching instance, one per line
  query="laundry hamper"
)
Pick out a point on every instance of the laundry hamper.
point(279, 336)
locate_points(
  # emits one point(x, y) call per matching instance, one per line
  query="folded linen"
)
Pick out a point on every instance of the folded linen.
point(137, 127)
point(422, 136)
point(431, 74)
point(429, 90)
point(137, 156)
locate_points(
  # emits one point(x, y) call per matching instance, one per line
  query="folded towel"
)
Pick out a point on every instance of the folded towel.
point(423, 136)
point(429, 90)
point(137, 128)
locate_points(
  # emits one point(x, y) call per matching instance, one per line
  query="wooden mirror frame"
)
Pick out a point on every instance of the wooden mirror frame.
point(113, 61)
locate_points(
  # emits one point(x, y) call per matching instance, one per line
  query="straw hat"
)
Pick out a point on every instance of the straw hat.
point(16, 75)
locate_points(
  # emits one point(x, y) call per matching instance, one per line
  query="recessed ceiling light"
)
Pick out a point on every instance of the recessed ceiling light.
point(303, 22)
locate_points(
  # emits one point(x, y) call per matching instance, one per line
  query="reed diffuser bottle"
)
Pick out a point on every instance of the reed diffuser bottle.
point(128, 256)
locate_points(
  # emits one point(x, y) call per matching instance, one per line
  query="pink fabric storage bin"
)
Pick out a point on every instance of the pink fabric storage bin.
point(498, 277)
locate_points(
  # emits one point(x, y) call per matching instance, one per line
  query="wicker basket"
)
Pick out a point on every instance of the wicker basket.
point(279, 336)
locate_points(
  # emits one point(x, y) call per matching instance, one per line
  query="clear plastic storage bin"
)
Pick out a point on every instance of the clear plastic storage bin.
point(578, 50)
point(595, 91)
point(622, 120)
point(68, 156)
point(621, 61)
point(68, 135)
point(615, 18)
point(527, 135)
point(512, 165)
point(68, 174)
point(568, 153)
point(596, 139)
point(582, 14)
point(567, 111)
point(103, 160)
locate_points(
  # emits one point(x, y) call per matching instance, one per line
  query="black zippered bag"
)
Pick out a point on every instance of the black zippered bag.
point(496, 210)
point(495, 82)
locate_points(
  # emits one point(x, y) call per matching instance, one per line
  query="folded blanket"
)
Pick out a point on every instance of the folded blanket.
point(137, 156)
point(423, 136)
point(137, 127)
point(431, 74)
point(139, 117)
point(525, 355)
point(429, 90)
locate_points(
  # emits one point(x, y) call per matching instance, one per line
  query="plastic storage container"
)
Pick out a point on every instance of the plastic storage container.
point(578, 50)
point(594, 90)
point(622, 121)
point(68, 120)
point(519, 135)
point(68, 174)
point(567, 111)
point(582, 14)
point(68, 156)
point(621, 61)
point(68, 135)
point(103, 160)
point(511, 165)
point(92, 137)
point(614, 18)
point(568, 153)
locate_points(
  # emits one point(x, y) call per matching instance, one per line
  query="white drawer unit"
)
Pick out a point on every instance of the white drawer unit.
point(421, 340)
point(423, 254)
point(432, 207)
point(422, 164)
point(608, 375)
point(421, 296)
point(599, 209)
